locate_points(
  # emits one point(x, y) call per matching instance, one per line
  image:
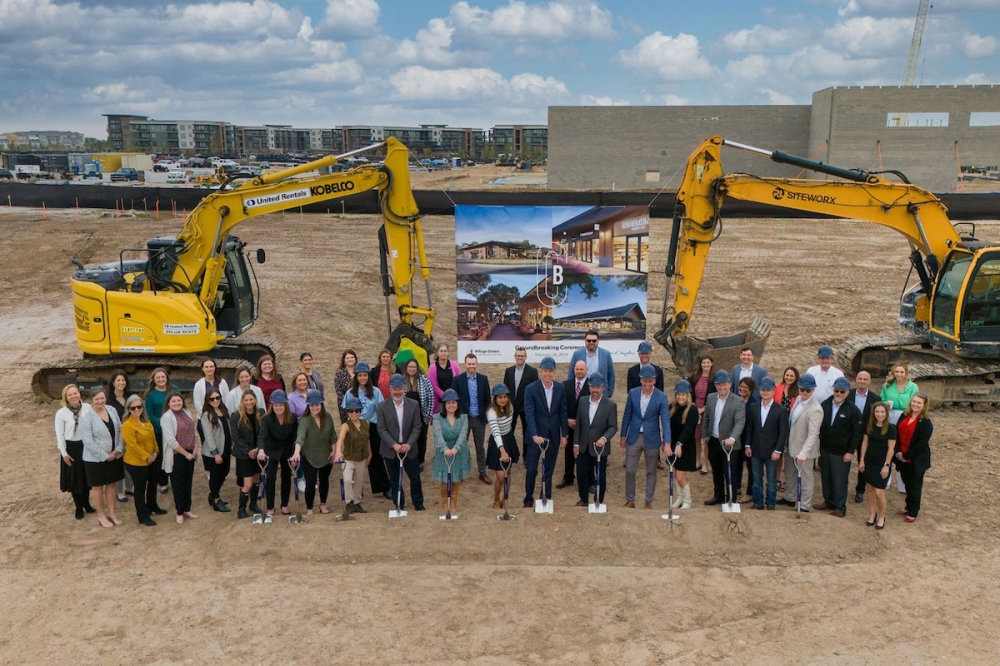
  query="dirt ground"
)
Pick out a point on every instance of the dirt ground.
point(570, 588)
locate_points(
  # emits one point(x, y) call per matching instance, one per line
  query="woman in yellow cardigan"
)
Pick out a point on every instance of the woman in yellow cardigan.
point(140, 454)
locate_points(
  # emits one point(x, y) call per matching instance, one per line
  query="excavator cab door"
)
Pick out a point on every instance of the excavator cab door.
point(980, 321)
point(235, 313)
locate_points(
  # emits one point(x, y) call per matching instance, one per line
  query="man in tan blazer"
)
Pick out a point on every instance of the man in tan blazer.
point(805, 422)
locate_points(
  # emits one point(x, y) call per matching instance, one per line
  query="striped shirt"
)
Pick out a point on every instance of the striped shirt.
point(499, 425)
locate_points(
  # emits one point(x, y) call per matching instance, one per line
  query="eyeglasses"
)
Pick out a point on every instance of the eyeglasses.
point(135, 408)
point(353, 411)
point(215, 398)
point(591, 342)
point(802, 390)
point(839, 391)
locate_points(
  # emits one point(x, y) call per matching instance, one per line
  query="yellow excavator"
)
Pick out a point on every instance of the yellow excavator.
point(194, 295)
point(950, 315)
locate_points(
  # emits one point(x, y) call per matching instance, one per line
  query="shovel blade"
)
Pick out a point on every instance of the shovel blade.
point(730, 508)
point(258, 519)
point(543, 506)
point(293, 520)
point(393, 513)
point(597, 508)
point(670, 516)
point(451, 516)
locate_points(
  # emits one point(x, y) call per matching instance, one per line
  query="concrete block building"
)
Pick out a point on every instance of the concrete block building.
point(933, 134)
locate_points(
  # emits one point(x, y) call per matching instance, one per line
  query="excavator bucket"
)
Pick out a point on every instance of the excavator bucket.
point(686, 350)
point(407, 341)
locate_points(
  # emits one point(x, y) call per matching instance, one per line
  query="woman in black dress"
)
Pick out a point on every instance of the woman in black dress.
point(118, 391)
point(72, 474)
point(100, 430)
point(877, 447)
point(683, 425)
point(245, 427)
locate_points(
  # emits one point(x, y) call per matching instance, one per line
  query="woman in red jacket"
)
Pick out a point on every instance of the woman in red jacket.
point(913, 453)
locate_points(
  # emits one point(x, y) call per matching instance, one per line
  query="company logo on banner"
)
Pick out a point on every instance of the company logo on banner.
point(540, 277)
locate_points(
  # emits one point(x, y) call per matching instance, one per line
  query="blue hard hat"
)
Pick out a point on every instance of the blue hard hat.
point(721, 377)
point(596, 379)
point(807, 382)
point(279, 397)
point(500, 389)
point(682, 386)
point(825, 352)
point(362, 367)
point(645, 348)
point(450, 395)
point(841, 384)
point(548, 363)
point(767, 384)
point(314, 397)
point(397, 381)
point(647, 372)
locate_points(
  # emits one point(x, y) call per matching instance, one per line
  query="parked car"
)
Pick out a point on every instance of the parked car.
point(125, 174)
point(6, 175)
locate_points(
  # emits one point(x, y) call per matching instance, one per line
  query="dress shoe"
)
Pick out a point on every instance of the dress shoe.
point(769, 508)
point(220, 507)
point(164, 490)
point(527, 504)
point(80, 513)
point(419, 507)
point(822, 506)
point(859, 498)
point(148, 522)
point(581, 503)
point(158, 511)
point(803, 510)
point(565, 483)
point(629, 505)
point(871, 523)
point(837, 513)
point(649, 505)
point(88, 508)
point(485, 479)
point(757, 508)
point(712, 501)
point(123, 498)
point(242, 513)
point(784, 502)
point(357, 508)
point(388, 495)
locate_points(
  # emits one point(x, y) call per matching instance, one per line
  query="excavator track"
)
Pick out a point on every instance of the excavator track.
point(944, 377)
point(184, 370)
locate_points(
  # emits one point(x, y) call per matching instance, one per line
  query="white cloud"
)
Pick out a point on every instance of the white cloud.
point(761, 38)
point(666, 57)
point(557, 20)
point(432, 46)
point(909, 7)
point(775, 97)
point(591, 100)
point(978, 79)
point(472, 85)
point(675, 100)
point(868, 36)
point(977, 46)
point(350, 19)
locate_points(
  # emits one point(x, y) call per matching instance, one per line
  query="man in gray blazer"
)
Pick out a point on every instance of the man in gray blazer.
point(722, 424)
point(596, 424)
point(805, 422)
point(399, 432)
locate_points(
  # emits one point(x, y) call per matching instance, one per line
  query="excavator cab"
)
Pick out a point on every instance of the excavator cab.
point(965, 317)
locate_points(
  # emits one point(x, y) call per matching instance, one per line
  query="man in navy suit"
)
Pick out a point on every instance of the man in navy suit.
point(765, 443)
point(747, 368)
point(517, 378)
point(474, 398)
point(645, 428)
point(864, 400)
point(645, 358)
point(597, 360)
point(545, 414)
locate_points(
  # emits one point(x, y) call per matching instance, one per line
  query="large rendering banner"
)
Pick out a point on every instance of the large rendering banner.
point(540, 277)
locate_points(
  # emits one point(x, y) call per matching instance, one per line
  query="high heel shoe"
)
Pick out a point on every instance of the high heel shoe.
point(871, 523)
point(879, 527)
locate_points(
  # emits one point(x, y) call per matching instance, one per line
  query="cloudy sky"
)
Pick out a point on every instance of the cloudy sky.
point(320, 63)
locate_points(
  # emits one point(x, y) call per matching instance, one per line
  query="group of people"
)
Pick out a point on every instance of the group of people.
point(123, 444)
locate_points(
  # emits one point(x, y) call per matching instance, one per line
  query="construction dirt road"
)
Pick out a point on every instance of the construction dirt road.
point(568, 588)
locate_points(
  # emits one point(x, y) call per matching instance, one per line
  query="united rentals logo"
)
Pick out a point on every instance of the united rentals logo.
point(281, 197)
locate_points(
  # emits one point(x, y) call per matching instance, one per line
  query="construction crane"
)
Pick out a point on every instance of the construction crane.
point(910, 75)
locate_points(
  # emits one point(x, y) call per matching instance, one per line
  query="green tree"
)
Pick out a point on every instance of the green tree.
point(500, 299)
point(472, 284)
point(638, 282)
